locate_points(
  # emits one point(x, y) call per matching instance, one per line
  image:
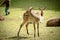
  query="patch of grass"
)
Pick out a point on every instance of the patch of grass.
point(12, 22)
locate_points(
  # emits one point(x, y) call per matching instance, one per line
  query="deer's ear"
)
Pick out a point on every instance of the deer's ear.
point(30, 7)
point(39, 8)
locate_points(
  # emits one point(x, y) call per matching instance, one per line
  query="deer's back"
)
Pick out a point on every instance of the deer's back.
point(30, 18)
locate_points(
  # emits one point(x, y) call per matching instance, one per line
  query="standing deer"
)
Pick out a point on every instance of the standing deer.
point(28, 18)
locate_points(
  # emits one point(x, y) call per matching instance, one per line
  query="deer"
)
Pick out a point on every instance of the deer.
point(28, 18)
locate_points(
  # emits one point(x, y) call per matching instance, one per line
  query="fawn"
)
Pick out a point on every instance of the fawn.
point(28, 18)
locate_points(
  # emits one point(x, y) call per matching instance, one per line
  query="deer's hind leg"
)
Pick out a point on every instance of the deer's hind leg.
point(20, 29)
point(27, 28)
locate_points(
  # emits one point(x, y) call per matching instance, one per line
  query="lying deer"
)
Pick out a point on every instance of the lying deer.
point(28, 18)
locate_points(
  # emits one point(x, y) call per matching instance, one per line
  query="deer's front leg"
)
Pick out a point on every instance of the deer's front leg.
point(27, 28)
point(38, 29)
point(34, 30)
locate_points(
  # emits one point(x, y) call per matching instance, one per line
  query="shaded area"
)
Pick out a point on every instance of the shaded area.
point(49, 4)
point(21, 37)
point(14, 38)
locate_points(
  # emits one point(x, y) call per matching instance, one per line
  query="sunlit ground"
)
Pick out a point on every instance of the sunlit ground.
point(9, 27)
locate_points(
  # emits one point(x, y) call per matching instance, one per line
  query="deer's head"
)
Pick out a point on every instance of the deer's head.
point(42, 9)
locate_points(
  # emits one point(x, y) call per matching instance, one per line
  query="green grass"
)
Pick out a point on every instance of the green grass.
point(9, 27)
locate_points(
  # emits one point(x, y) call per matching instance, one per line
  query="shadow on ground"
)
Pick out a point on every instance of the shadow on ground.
point(15, 37)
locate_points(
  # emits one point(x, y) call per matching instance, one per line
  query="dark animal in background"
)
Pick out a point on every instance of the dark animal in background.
point(7, 5)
